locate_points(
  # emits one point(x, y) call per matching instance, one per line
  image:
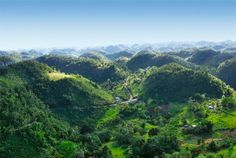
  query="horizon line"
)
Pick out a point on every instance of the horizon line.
point(116, 44)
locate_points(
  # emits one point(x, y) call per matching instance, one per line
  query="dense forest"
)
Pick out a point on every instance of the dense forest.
point(127, 104)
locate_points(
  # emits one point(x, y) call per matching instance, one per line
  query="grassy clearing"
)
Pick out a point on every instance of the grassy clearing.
point(117, 151)
point(110, 115)
point(226, 120)
point(55, 76)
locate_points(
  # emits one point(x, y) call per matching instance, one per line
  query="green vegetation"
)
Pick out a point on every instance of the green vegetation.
point(110, 115)
point(164, 107)
point(95, 68)
point(70, 96)
point(227, 72)
point(55, 76)
point(118, 55)
point(203, 56)
point(116, 150)
point(95, 55)
point(7, 60)
point(209, 57)
point(225, 120)
point(144, 60)
point(28, 128)
point(177, 83)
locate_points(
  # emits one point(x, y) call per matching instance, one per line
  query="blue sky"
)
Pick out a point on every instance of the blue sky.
point(82, 23)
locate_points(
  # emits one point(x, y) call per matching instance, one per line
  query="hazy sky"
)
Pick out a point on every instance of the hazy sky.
point(81, 23)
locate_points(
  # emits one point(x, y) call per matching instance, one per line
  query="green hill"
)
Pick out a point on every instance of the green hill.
point(185, 53)
point(95, 55)
point(6, 60)
point(202, 56)
point(169, 110)
point(177, 83)
point(118, 55)
point(92, 69)
point(209, 57)
point(28, 128)
point(76, 95)
point(145, 60)
point(36, 104)
point(140, 61)
point(227, 72)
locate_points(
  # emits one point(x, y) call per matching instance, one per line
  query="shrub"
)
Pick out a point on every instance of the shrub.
point(165, 142)
point(124, 135)
point(153, 131)
point(68, 149)
point(229, 102)
point(104, 136)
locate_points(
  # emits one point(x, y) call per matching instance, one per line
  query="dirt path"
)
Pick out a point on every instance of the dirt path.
point(128, 89)
point(23, 127)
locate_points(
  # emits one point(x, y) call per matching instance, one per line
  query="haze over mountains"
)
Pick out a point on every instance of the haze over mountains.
point(132, 48)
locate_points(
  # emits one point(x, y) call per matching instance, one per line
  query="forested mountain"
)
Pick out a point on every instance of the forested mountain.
point(209, 57)
point(61, 92)
point(37, 101)
point(96, 70)
point(6, 60)
point(227, 72)
point(28, 128)
point(120, 105)
point(176, 83)
point(66, 52)
point(118, 55)
point(99, 56)
point(144, 60)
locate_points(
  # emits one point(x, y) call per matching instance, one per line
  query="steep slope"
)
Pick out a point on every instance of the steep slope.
point(177, 83)
point(227, 72)
point(89, 68)
point(28, 128)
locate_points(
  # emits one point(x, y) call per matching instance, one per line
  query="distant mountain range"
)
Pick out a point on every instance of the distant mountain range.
point(225, 46)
